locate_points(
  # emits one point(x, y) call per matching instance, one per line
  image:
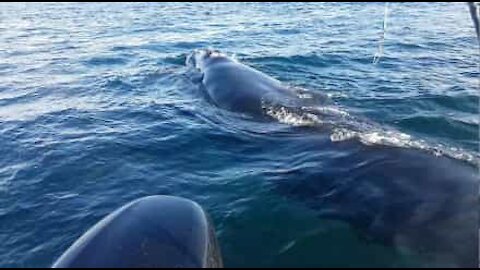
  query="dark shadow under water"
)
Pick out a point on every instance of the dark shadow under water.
point(405, 198)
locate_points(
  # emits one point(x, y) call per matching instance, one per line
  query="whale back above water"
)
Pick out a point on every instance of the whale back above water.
point(237, 87)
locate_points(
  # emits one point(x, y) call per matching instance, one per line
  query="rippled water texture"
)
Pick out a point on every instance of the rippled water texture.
point(97, 108)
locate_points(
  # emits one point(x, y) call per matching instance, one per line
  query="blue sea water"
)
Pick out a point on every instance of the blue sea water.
point(97, 109)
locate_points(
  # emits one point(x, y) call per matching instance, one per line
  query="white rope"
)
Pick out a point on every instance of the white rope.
point(379, 53)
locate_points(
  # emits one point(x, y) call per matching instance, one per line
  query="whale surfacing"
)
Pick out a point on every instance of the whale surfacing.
point(234, 86)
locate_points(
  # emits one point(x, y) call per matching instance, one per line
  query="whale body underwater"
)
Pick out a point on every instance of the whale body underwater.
point(397, 196)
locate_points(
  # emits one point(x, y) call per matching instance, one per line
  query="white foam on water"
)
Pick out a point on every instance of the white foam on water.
point(399, 139)
point(367, 134)
point(346, 127)
point(332, 95)
point(329, 110)
point(305, 96)
point(283, 115)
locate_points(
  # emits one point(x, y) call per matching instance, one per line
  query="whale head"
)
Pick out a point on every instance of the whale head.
point(201, 58)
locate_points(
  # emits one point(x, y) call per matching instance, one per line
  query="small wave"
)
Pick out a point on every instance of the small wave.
point(287, 31)
point(106, 61)
point(43, 106)
point(62, 195)
point(6, 67)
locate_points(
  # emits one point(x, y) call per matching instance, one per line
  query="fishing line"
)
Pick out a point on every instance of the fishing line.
point(379, 53)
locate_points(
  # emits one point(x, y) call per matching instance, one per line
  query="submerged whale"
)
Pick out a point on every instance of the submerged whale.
point(413, 201)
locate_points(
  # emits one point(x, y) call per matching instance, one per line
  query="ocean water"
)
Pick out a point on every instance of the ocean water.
point(97, 108)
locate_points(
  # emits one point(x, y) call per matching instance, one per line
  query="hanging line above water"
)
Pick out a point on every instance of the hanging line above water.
point(474, 12)
point(379, 53)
